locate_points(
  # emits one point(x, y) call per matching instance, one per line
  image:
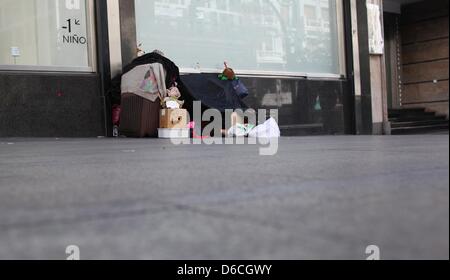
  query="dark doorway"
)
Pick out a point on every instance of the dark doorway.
point(393, 59)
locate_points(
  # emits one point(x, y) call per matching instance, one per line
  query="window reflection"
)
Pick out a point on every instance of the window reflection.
point(261, 35)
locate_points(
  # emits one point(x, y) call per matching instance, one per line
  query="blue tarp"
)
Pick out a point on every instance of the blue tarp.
point(212, 92)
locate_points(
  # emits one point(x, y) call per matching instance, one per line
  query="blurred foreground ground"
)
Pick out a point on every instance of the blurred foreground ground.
point(318, 198)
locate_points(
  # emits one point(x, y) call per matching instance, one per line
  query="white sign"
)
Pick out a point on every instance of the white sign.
point(15, 51)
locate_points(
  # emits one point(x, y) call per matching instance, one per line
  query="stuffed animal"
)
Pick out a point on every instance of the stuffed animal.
point(228, 73)
point(174, 92)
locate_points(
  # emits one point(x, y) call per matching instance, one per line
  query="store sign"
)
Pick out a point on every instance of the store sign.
point(74, 25)
point(70, 37)
point(72, 33)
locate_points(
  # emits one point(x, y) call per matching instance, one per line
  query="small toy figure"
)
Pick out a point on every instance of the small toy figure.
point(172, 100)
point(227, 74)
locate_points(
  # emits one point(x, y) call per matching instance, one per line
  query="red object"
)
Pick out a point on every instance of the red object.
point(116, 111)
point(191, 126)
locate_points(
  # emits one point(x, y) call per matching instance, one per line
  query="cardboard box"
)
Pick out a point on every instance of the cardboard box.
point(173, 118)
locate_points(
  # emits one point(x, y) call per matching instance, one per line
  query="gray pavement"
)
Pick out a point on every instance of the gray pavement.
point(318, 198)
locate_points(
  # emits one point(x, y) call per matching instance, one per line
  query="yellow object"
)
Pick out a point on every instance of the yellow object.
point(173, 118)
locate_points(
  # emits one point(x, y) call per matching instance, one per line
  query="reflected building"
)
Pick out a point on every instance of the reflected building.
point(277, 35)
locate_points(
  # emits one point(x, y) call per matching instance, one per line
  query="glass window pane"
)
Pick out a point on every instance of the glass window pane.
point(256, 35)
point(49, 33)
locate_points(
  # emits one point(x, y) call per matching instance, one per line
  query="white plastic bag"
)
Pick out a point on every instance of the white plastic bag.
point(269, 129)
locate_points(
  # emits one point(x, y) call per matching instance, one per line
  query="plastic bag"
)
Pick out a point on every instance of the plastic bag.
point(240, 88)
point(269, 129)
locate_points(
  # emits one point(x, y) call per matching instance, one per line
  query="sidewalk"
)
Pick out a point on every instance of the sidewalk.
point(318, 198)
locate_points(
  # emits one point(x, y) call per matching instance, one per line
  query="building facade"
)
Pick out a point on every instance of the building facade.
point(325, 65)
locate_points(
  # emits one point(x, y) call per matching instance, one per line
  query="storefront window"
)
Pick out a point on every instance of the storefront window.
point(286, 36)
point(45, 34)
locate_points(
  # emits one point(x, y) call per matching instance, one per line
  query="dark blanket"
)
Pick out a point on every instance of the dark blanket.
point(173, 74)
point(212, 92)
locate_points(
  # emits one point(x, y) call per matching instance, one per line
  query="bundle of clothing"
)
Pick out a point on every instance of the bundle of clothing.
point(151, 76)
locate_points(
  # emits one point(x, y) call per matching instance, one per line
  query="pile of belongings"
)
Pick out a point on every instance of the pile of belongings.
point(154, 76)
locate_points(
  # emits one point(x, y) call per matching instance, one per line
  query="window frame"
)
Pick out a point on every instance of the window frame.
point(91, 49)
